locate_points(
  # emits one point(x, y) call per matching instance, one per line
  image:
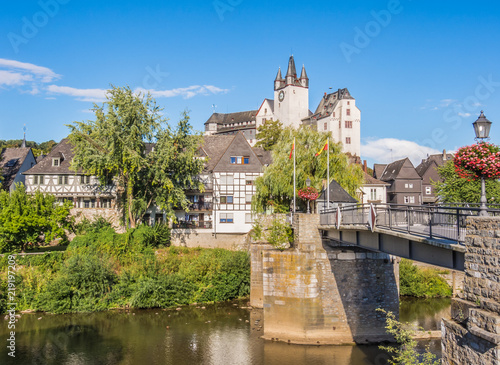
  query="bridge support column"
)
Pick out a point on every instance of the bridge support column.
point(323, 295)
point(472, 336)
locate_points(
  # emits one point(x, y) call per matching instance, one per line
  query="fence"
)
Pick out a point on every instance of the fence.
point(424, 220)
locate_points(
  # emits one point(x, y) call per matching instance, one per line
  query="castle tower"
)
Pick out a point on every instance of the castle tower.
point(291, 96)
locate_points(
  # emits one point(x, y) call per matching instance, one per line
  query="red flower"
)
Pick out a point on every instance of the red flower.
point(309, 193)
point(480, 159)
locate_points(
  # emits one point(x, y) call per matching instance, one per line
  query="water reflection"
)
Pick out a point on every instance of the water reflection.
point(226, 333)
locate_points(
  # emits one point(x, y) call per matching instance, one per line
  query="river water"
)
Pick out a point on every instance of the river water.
point(218, 334)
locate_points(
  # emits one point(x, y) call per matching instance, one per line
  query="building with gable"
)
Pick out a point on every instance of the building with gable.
point(405, 184)
point(232, 166)
point(13, 163)
point(428, 171)
point(53, 175)
point(337, 112)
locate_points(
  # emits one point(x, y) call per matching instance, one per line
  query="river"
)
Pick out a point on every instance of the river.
point(217, 334)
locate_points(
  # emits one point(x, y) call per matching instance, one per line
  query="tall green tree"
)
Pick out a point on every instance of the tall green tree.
point(275, 187)
point(29, 220)
point(455, 189)
point(268, 134)
point(115, 145)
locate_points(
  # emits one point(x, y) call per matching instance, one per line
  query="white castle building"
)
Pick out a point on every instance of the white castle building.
point(337, 112)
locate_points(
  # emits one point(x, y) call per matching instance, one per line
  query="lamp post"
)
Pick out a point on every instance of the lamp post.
point(482, 130)
point(308, 184)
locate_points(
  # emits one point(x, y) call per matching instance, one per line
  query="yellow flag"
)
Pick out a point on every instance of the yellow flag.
point(325, 147)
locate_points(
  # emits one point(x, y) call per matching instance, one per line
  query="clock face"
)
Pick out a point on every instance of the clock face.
point(281, 95)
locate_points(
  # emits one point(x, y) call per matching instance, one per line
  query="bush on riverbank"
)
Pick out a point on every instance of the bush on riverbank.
point(422, 283)
point(102, 270)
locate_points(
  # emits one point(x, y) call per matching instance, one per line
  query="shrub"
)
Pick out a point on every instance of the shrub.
point(280, 235)
point(86, 225)
point(155, 236)
point(421, 283)
point(83, 284)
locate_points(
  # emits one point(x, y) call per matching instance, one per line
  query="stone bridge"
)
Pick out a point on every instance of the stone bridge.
point(326, 289)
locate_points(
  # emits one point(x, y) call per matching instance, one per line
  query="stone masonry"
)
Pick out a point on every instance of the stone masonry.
point(322, 295)
point(472, 336)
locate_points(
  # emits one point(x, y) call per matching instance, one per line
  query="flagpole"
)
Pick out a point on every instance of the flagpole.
point(328, 173)
point(293, 176)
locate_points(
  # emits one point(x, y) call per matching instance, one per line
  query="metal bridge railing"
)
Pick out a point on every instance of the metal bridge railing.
point(424, 220)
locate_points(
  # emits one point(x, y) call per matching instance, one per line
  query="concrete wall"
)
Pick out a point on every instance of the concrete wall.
point(312, 294)
point(206, 239)
point(472, 336)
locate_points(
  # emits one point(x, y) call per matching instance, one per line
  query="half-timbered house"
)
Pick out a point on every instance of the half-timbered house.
point(53, 175)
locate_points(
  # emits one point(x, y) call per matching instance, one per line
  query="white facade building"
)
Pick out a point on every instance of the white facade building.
point(336, 113)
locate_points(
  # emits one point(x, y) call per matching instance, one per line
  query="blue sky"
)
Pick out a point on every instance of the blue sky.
point(421, 71)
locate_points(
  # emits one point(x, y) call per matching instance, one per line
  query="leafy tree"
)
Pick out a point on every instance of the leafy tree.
point(27, 220)
point(455, 189)
point(275, 187)
point(268, 134)
point(115, 145)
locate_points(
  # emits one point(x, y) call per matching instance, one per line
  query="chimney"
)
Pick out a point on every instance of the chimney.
point(365, 166)
point(444, 155)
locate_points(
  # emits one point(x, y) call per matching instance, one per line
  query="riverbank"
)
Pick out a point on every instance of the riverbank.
point(103, 270)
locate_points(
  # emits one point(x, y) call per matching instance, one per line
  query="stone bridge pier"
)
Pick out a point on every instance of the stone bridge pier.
point(315, 293)
point(472, 336)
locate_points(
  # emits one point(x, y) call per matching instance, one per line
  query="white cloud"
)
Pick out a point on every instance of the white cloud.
point(465, 115)
point(92, 95)
point(9, 78)
point(386, 150)
point(185, 92)
point(26, 78)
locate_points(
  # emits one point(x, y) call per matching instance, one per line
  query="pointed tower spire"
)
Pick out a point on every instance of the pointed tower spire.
point(291, 73)
point(23, 145)
point(278, 81)
point(304, 80)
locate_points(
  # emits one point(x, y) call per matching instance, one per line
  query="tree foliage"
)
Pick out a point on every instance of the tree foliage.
point(268, 134)
point(115, 145)
point(275, 187)
point(29, 220)
point(422, 283)
point(38, 148)
point(406, 352)
point(454, 189)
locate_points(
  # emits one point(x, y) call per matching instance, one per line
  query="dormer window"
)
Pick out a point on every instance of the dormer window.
point(239, 160)
point(56, 161)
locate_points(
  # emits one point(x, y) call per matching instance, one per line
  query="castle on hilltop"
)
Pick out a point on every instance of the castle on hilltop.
point(336, 112)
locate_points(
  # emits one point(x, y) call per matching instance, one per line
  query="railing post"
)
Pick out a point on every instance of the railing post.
point(390, 218)
point(430, 223)
point(408, 218)
point(458, 224)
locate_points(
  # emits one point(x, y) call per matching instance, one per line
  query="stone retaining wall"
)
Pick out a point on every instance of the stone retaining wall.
point(472, 336)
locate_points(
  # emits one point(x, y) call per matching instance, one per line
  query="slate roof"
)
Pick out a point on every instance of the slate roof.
point(337, 194)
point(392, 170)
point(62, 150)
point(214, 147)
point(11, 160)
point(370, 180)
point(439, 159)
point(395, 170)
point(329, 102)
point(378, 169)
point(226, 118)
point(265, 157)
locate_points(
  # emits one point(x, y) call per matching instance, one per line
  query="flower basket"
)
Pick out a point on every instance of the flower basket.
point(309, 193)
point(480, 159)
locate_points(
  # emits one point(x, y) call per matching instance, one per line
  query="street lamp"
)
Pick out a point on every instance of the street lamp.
point(482, 129)
point(308, 184)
